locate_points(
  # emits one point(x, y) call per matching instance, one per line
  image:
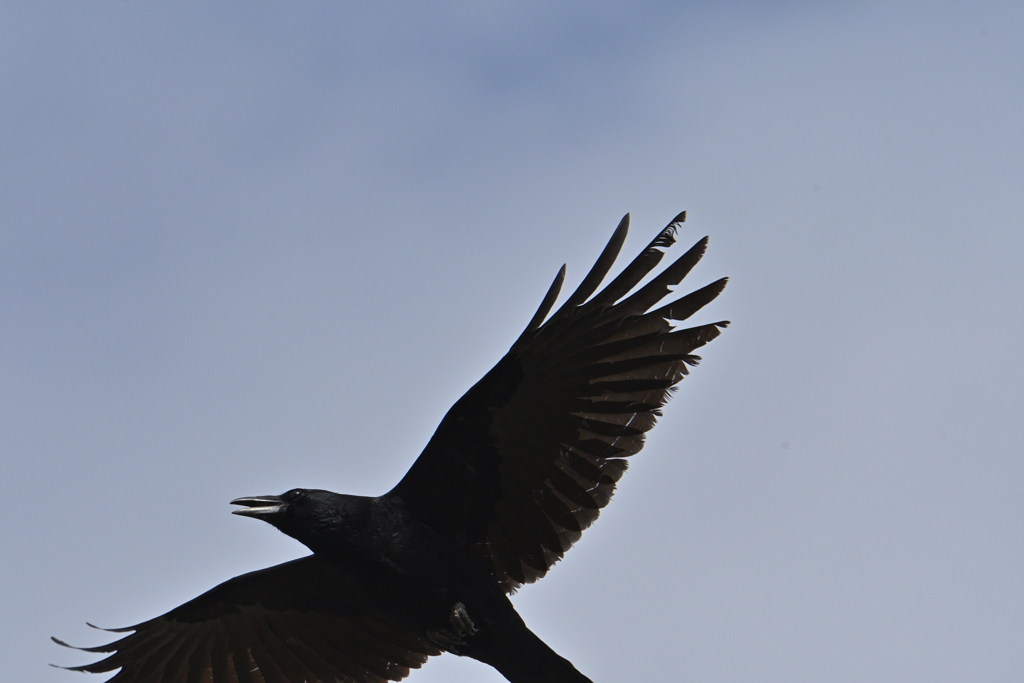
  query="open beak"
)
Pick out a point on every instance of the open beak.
point(260, 507)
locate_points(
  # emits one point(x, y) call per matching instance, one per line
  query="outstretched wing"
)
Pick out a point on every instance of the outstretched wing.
point(526, 459)
point(299, 622)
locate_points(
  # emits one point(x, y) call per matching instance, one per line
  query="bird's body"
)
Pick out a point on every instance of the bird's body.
point(517, 469)
point(426, 583)
point(403, 563)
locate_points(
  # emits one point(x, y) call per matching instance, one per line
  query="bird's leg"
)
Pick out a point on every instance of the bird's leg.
point(461, 627)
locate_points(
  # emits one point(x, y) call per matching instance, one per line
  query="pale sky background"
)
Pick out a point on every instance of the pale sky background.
point(248, 246)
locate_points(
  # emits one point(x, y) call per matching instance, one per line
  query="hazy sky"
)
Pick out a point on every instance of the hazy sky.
point(248, 246)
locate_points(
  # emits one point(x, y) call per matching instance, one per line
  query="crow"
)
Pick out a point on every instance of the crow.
point(517, 469)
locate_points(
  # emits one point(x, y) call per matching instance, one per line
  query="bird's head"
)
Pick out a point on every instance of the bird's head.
point(303, 514)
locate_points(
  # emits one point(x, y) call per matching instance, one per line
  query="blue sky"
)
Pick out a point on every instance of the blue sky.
point(251, 246)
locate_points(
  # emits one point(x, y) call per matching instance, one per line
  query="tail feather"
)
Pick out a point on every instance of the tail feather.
point(529, 660)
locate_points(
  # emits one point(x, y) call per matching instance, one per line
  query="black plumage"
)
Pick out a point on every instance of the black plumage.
point(517, 469)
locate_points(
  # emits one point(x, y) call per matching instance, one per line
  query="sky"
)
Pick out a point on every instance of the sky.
point(246, 247)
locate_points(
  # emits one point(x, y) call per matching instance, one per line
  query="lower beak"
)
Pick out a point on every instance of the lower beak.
point(259, 506)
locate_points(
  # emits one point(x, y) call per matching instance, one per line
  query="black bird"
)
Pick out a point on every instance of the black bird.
point(517, 469)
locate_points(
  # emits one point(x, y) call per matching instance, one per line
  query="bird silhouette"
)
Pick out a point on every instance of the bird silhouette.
point(518, 468)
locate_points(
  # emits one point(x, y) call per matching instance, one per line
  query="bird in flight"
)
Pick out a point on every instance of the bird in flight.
point(517, 469)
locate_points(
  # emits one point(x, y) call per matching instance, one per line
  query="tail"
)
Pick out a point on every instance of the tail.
point(527, 659)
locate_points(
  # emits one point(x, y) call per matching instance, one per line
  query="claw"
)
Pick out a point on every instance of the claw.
point(462, 627)
point(461, 623)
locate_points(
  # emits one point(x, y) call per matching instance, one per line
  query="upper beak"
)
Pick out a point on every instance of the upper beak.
point(259, 506)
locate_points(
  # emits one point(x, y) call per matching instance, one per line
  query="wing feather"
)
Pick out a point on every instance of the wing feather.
point(548, 302)
point(643, 264)
point(300, 622)
point(597, 274)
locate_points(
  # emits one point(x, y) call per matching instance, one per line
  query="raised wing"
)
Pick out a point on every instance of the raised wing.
point(526, 459)
point(299, 622)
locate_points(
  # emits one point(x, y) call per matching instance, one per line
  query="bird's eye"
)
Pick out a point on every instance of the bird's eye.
point(294, 495)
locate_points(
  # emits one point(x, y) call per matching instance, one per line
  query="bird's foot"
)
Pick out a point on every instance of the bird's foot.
point(461, 623)
point(461, 627)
